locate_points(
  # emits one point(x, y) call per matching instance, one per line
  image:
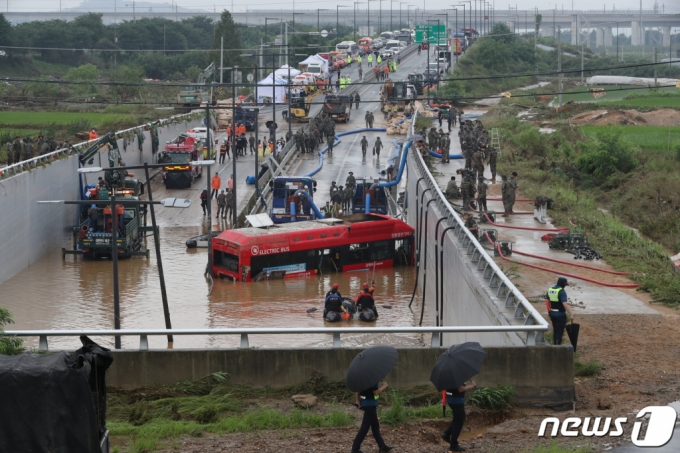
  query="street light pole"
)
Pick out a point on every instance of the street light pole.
point(114, 260)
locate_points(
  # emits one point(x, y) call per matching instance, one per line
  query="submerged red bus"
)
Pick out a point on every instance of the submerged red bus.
point(298, 249)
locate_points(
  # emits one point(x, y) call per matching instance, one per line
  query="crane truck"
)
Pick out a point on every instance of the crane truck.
point(193, 95)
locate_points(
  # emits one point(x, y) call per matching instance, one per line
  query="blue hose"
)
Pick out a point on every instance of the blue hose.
point(451, 156)
point(402, 165)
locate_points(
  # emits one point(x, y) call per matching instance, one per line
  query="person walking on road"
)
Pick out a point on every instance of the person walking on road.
point(221, 204)
point(481, 194)
point(558, 309)
point(377, 147)
point(364, 145)
point(367, 118)
point(357, 99)
point(455, 398)
point(251, 142)
point(224, 150)
point(229, 203)
point(361, 74)
point(215, 184)
point(370, 60)
point(204, 201)
point(230, 182)
point(366, 401)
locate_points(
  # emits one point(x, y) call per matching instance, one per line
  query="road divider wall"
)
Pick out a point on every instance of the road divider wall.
point(540, 375)
point(458, 282)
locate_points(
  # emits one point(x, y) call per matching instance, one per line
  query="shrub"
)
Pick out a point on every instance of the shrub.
point(9, 345)
point(80, 125)
point(140, 414)
point(592, 367)
point(207, 414)
point(493, 398)
point(607, 155)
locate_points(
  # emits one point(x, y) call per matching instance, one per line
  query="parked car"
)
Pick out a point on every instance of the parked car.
point(431, 76)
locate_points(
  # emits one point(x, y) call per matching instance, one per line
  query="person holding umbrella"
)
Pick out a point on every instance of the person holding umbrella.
point(364, 373)
point(454, 367)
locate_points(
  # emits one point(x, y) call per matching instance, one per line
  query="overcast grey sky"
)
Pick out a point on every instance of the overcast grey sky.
point(671, 6)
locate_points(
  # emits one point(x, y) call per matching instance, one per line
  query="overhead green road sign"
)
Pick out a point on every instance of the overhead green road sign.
point(431, 33)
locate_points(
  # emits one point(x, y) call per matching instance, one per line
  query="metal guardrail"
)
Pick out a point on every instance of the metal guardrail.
point(20, 167)
point(521, 309)
point(244, 333)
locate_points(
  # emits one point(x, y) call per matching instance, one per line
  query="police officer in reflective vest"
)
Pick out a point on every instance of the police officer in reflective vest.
point(557, 300)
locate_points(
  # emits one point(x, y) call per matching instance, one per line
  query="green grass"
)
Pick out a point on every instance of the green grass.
point(20, 132)
point(62, 118)
point(616, 94)
point(592, 367)
point(647, 138)
point(147, 436)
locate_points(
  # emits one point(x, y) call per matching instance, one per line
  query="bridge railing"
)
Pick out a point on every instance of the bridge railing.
point(44, 159)
point(517, 307)
point(245, 333)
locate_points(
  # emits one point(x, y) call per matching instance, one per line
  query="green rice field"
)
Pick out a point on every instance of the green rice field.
point(647, 138)
point(36, 119)
point(616, 94)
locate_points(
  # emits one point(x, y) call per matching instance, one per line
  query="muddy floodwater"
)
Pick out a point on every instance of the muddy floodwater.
point(77, 294)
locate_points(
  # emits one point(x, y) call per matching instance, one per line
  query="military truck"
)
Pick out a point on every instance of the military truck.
point(337, 106)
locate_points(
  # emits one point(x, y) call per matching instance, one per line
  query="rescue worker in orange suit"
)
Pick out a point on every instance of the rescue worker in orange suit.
point(365, 300)
point(215, 185)
point(333, 301)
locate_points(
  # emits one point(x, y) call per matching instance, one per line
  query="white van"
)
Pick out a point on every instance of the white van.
point(393, 45)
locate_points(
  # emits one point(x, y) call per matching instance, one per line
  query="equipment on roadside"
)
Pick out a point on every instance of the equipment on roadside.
point(338, 106)
point(568, 241)
point(585, 253)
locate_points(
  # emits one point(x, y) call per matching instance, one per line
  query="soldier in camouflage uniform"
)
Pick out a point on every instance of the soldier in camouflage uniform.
point(347, 198)
point(465, 193)
point(506, 189)
point(478, 163)
point(481, 194)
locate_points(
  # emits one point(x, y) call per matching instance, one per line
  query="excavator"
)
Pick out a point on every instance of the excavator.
point(299, 108)
point(192, 96)
point(92, 236)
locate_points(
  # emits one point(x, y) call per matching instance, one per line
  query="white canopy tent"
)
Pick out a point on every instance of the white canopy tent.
point(271, 88)
point(315, 59)
point(283, 72)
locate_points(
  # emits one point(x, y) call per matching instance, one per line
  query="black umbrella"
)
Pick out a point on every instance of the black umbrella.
point(370, 367)
point(572, 331)
point(457, 365)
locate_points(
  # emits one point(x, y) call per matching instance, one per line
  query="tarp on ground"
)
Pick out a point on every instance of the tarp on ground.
point(625, 80)
point(270, 88)
point(283, 73)
point(46, 405)
point(315, 59)
point(54, 403)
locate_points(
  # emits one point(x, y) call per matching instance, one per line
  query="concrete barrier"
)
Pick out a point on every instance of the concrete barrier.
point(29, 230)
point(540, 375)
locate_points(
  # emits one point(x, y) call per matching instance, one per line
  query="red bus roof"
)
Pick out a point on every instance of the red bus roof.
point(317, 234)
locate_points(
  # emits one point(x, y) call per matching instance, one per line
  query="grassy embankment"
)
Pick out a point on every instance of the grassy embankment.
point(627, 170)
point(145, 418)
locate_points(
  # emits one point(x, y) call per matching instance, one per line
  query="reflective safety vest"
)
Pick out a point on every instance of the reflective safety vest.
point(359, 58)
point(554, 297)
point(349, 59)
point(370, 58)
point(379, 59)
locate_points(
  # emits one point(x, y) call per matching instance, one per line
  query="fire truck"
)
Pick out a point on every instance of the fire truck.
point(178, 154)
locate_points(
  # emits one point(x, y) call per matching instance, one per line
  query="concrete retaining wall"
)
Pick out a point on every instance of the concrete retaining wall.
point(542, 374)
point(27, 229)
point(468, 300)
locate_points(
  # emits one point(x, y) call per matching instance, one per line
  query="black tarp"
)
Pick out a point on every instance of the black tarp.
point(46, 402)
point(177, 180)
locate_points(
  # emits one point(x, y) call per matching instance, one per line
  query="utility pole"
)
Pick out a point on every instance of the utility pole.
point(221, 58)
point(656, 52)
point(582, 58)
point(559, 65)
